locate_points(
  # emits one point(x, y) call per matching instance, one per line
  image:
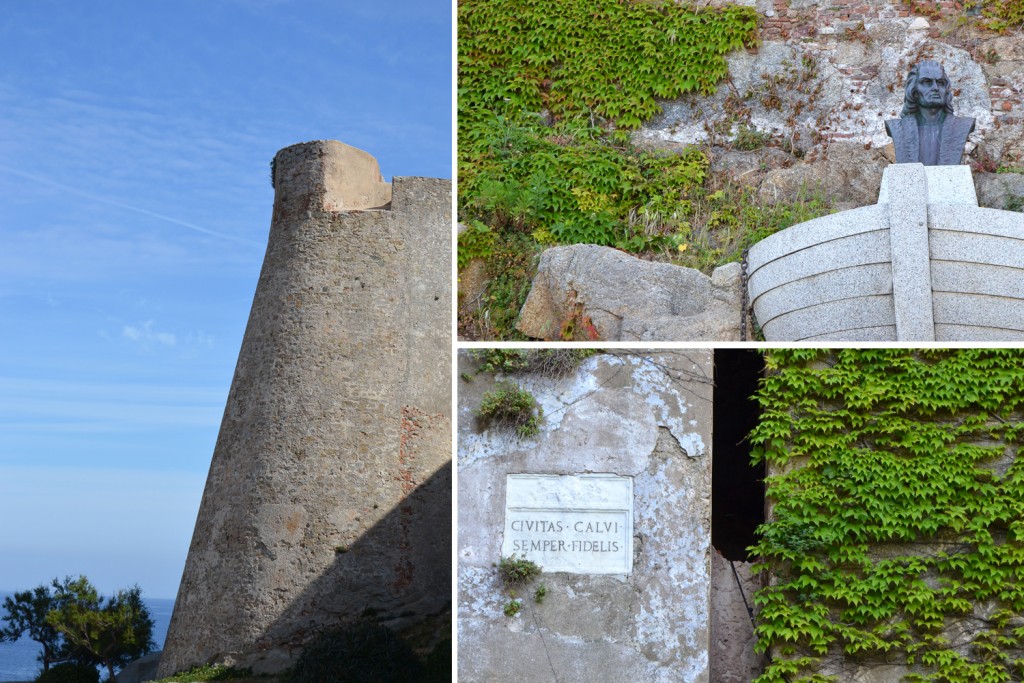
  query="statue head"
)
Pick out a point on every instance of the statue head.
point(927, 86)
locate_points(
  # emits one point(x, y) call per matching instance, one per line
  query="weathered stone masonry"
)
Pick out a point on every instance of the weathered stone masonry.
point(329, 493)
point(831, 71)
point(641, 416)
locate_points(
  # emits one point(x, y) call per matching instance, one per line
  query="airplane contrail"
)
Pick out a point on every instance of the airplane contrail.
point(127, 207)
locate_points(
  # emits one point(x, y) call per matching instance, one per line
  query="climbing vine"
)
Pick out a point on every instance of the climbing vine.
point(897, 527)
point(1001, 16)
point(548, 91)
point(577, 59)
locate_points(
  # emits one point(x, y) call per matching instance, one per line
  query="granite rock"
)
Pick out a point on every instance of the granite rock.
point(849, 175)
point(1000, 190)
point(629, 299)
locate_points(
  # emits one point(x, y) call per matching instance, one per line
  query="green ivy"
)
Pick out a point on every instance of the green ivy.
point(567, 185)
point(1001, 16)
point(897, 526)
point(475, 242)
point(595, 69)
point(577, 59)
point(548, 90)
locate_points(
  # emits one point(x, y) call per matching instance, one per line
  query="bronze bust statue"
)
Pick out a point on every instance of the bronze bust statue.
point(927, 131)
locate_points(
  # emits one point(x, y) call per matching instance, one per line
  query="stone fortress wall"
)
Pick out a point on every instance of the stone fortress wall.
point(329, 493)
point(813, 21)
point(829, 71)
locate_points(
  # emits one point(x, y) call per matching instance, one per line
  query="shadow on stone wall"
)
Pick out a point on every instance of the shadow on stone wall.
point(398, 574)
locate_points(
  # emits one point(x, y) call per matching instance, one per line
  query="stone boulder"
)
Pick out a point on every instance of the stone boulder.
point(472, 285)
point(1000, 190)
point(849, 176)
point(629, 299)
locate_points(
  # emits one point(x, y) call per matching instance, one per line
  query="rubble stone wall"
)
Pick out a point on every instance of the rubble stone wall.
point(329, 493)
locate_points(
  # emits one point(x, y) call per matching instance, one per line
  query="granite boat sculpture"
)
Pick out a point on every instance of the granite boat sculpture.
point(925, 263)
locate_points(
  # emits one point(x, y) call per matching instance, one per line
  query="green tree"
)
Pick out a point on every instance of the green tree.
point(113, 632)
point(26, 614)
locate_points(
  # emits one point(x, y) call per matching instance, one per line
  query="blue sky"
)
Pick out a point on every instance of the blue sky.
point(135, 142)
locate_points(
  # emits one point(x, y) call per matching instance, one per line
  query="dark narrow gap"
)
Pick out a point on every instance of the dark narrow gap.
point(737, 487)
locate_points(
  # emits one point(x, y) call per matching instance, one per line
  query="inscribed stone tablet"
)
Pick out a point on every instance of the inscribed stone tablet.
point(581, 524)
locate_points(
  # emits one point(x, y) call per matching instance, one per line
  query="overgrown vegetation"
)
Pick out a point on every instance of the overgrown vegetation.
point(201, 674)
point(517, 571)
point(510, 407)
point(548, 91)
point(898, 512)
point(513, 607)
point(565, 184)
point(546, 362)
point(1001, 16)
point(605, 60)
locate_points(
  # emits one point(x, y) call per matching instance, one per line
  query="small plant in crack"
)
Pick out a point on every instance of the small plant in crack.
point(513, 607)
point(515, 571)
point(510, 406)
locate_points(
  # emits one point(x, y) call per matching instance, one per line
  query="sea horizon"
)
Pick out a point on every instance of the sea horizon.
point(18, 660)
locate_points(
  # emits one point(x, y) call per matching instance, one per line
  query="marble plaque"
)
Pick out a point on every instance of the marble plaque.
point(581, 524)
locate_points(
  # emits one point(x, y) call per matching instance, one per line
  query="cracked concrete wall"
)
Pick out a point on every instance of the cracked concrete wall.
point(644, 415)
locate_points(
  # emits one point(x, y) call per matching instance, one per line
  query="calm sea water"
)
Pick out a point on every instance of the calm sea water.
point(18, 660)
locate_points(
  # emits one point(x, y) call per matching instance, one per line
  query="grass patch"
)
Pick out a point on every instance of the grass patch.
point(200, 674)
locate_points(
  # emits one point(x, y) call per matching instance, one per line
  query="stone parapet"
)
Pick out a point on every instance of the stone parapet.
point(327, 175)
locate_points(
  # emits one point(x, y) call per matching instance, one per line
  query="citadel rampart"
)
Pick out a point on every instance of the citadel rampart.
point(329, 493)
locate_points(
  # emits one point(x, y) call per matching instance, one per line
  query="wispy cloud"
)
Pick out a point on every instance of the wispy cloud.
point(122, 205)
point(145, 334)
